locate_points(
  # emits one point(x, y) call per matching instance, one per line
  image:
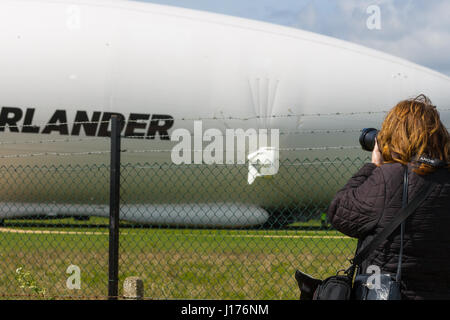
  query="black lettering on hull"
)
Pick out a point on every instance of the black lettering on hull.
point(138, 125)
point(10, 116)
point(133, 125)
point(161, 124)
point(89, 125)
point(63, 128)
point(103, 131)
point(28, 121)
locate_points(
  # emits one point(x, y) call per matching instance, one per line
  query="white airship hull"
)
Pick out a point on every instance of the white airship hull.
point(165, 67)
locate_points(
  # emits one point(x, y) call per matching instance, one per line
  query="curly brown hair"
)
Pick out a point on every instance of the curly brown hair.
point(411, 129)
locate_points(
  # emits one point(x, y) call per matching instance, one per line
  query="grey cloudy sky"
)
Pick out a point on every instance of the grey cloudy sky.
point(417, 30)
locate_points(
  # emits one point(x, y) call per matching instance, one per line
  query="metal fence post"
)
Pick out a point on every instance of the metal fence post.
point(114, 210)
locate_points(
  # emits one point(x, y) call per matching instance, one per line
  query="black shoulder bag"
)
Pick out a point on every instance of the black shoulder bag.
point(385, 287)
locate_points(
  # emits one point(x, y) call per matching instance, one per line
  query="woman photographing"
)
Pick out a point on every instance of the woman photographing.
point(413, 137)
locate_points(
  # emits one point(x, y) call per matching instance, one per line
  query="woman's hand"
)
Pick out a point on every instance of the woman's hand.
point(377, 158)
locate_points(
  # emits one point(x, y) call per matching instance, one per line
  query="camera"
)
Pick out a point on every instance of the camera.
point(367, 138)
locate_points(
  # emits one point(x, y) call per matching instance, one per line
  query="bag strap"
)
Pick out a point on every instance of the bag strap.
point(401, 216)
point(398, 276)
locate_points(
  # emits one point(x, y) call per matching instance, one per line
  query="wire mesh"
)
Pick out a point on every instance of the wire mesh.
point(188, 231)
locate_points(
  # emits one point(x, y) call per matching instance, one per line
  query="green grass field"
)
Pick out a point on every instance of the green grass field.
point(173, 263)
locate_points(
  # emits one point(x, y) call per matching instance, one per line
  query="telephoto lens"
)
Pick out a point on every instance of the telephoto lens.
point(367, 138)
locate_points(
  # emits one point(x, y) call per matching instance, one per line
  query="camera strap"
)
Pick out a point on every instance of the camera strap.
point(398, 276)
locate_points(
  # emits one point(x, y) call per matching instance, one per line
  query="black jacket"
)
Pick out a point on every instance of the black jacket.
point(368, 203)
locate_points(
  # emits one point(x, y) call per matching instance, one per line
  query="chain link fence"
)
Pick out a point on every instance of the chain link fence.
point(188, 231)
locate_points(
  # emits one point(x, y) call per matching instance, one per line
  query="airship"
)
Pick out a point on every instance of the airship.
point(68, 67)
